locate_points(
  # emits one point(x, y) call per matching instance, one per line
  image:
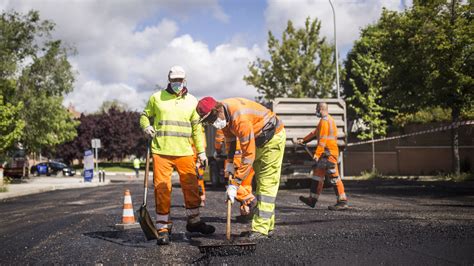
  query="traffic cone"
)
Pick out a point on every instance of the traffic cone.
point(128, 216)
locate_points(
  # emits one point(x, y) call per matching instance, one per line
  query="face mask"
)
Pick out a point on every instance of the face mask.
point(177, 86)
point(219, 123)
point(318, 114)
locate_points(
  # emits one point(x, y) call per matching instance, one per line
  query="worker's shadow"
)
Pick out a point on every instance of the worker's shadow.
point(129, 238)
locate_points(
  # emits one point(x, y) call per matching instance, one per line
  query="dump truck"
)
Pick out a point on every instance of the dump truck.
point(298, 116)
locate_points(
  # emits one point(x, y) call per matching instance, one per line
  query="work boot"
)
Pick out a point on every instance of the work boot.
point(340, 206)
point(163, 238)
point(253, 235)
point(200, 227)
point(311, 202)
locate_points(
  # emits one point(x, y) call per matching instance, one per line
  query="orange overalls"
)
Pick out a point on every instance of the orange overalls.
point(200, 174)
point(244, 192)
point(327, 155)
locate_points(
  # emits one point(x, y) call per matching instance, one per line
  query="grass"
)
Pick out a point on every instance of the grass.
point(457, 178)
point(4, 186)
point(369, 175)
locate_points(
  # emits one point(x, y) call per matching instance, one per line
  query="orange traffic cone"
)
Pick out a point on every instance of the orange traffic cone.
point(128, 217)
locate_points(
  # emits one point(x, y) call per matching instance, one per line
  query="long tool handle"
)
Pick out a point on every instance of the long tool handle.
point(147, 172)
point(307, 150)
point(227, 228)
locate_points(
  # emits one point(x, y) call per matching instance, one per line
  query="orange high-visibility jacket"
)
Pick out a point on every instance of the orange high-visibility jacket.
point(220, 140)
point(246, 119)
point(326, 133)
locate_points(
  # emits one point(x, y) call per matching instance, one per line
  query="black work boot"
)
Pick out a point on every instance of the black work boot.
point(200, 227)
point(163, 238)
point(311, 202)
point(340, 206)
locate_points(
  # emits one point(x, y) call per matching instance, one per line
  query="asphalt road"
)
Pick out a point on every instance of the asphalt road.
point(391, 222)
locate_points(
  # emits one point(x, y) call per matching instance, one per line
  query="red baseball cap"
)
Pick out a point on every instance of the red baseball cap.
point(205, 106)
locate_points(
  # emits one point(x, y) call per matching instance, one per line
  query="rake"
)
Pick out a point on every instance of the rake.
point(229, 247)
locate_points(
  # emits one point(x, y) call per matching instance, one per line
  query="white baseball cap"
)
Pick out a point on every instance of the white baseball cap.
point(176, 72)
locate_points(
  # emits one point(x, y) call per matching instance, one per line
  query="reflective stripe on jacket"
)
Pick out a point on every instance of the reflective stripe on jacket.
point(246, 120)
point(175, 122)
point(327, 137)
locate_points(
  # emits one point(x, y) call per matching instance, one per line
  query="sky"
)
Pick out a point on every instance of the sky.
point(125, 48)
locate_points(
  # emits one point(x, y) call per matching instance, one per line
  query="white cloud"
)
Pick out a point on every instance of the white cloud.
point(351, 16)
point(121, 55)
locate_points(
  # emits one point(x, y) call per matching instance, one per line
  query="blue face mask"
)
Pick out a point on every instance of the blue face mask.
point(177, 86)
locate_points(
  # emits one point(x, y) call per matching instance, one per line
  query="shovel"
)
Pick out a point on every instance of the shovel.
point(229, 247)
point(144, 218)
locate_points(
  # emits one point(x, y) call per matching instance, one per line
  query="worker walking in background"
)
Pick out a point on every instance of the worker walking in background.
point(262, 142)
point(248, 202)
point(326, 157)
point(136, 166)
point(175, 122)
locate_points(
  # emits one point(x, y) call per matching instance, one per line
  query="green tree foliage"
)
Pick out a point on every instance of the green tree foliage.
point(35, 73)
point(10, 127)
point(428, 51)
point(116, 104)
point(366, 75)
point(302, 65)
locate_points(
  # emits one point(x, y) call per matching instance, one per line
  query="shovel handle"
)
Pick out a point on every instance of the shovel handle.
point(147, 172)
point(227, 229)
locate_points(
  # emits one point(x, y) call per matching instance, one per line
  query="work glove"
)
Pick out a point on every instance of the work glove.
point(150, 131)
point(202, 159)
point(229, 170)
point(231, 192)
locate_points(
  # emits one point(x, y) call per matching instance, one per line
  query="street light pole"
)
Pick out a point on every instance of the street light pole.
point(335, 52)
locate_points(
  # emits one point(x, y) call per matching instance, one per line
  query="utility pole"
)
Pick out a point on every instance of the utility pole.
point(335, 51)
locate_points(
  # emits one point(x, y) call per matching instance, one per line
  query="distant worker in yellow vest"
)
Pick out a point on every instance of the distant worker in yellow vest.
point(175, 121)
point(136, 166)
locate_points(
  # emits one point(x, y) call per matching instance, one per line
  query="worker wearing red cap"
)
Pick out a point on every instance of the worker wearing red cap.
point(262, 142)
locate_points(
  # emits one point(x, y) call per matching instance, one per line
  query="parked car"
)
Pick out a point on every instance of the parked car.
point(52, 168)
point(17, 167)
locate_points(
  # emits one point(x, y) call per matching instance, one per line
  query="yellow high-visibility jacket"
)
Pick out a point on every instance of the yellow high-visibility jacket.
point(175, 122)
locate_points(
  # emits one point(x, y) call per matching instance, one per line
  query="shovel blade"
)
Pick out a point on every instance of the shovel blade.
point(147, 225)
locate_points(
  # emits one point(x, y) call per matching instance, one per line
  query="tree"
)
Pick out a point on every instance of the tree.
point(118, 105)
point(10, 128)
point(301, 65)
point(35, 73)
point(430, 48)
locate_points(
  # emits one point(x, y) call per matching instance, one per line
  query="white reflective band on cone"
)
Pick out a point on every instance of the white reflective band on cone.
point(128, 213)
point(127, 200)
point(316, 178)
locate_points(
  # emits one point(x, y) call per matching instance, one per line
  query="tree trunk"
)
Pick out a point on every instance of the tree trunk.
point(455, 141)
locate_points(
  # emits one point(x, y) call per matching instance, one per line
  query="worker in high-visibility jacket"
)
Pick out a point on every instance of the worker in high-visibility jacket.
point(248, 202)
point(326, 156)
point(262, 142)
point(175, 123)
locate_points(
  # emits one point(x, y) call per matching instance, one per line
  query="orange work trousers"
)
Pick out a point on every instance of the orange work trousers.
point(327, 168)
point(163, 166)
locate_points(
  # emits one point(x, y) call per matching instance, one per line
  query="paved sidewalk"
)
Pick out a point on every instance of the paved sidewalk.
point(42, 184)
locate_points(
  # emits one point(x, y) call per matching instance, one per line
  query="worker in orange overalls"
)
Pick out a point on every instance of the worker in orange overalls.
point(200, 172)
point(326, 156)
point(247, 200)
point(262, 140)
